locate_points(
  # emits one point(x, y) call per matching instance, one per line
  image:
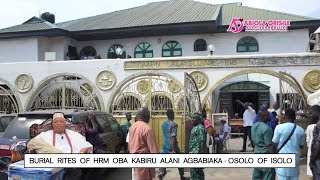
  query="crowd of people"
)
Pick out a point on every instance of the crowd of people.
point(263, 130)
point(267, 136)
point(203, 139)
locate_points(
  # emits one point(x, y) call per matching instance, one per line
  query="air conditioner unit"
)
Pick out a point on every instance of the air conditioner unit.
point(50, 56)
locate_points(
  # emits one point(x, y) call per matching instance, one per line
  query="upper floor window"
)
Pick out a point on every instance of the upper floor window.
point(143, 50)
point(112, 52)
point(88, 52)
point(171, 49)
point(247, 44)
point(200, 45)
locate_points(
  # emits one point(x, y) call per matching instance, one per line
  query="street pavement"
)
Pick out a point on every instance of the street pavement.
point(235, 145)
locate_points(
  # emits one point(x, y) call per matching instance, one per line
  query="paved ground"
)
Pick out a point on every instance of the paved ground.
point(231, 173)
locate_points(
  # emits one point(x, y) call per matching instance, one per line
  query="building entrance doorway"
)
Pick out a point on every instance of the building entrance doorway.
point(245, 91)
point(252, 97)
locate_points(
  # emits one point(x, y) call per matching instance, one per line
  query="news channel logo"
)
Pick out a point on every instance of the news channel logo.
point(238, 24)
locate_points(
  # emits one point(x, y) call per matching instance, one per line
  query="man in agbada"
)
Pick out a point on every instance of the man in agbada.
point(60, 139)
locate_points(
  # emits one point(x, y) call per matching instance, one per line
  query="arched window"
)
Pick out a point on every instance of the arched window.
point(200, 45)
point(143, 50)
point(171, 49)
point(160, 104)
point(247, 44)
point(87, 51)
point(129, 103)
point(112, 52)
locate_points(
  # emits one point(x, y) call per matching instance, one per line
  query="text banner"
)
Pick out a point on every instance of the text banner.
point(159, 160)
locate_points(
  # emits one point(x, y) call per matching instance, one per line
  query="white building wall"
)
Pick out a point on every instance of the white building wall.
point(91, 68)
point(33, 49)
point(56, 44)
point(19, 50)
point(42, 48)
point(294, 41)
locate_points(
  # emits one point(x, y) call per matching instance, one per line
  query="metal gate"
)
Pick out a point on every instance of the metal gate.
point(8, 103)
point(66, 92)
point(192, 103)
point(158, 93)
point(291, 94)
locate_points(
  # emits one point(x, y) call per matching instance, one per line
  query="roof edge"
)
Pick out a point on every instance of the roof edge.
point(34, 18)
point(211, 25)
point(41, 33)
point(272, 11)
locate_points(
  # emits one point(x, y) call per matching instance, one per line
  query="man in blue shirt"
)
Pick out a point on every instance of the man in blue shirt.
point(273, 118)
point(294, 145)
point(170, 144)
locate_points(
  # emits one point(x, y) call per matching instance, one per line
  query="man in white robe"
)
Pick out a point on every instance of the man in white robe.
point(66, 140)
point(314, 102)
point(78, 142)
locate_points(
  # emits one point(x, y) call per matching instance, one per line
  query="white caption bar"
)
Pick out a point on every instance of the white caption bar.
point(159, 160)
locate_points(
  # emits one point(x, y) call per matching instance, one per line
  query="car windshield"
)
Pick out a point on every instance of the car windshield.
point(4, 122)
point(20, 126)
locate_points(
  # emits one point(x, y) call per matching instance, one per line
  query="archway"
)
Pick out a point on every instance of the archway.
point(280, 84)
point(124, 84)
point(9, 98)
point(284, 77)
point(65, 90)
point(158, 91)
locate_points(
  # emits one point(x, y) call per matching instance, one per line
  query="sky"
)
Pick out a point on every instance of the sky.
point(15, 12)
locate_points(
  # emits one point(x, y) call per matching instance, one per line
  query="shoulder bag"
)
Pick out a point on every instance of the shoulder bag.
point(285, 142)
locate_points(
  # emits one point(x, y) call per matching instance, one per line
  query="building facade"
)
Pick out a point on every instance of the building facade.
point(74, 63)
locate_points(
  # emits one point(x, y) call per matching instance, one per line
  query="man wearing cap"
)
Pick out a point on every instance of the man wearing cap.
point(223, 133)
point(197, 144)
point(62, 139)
